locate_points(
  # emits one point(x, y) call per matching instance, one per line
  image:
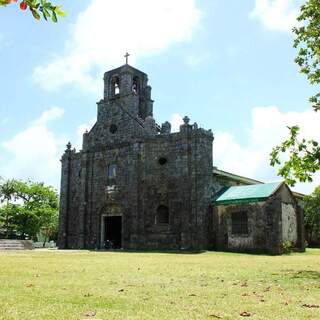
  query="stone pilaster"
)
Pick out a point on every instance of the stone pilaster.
point(64, 198)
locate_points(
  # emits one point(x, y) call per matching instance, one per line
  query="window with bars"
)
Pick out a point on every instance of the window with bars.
point(239, 222)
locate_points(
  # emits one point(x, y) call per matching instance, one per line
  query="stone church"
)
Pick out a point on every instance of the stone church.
point(137, 185)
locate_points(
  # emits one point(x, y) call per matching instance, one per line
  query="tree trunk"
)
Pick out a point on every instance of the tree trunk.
point(6, 223)
point(44, 243)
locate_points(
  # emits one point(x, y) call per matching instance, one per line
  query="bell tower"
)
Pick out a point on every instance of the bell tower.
point(129, 88)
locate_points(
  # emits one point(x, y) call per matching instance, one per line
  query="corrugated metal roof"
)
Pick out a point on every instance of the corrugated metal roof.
point(245, 194)
point(225, 174)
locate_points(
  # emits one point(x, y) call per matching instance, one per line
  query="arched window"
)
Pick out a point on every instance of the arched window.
point(239, 222)
point(112, 171)
point(162, 215)
point(115, 83)
point(135, 85)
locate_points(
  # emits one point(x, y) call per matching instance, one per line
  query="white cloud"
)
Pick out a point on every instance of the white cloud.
point(276, 15)
point(107, 29)
point(176, 121)
point(48, 115)
point(34, 152)
point(268, 128)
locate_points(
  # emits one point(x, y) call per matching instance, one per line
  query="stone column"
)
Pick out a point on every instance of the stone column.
point(64, 198)
point(83, 200)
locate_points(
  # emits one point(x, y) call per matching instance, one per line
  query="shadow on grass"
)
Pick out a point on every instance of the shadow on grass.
point(306, 274)
point(185, 252)
point(190, 252)
point(150, 251)
point(302, 274)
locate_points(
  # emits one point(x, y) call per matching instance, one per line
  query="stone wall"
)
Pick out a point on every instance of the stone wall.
point(292, 221)
point(258, 238)
point(289, 223)
point(270, 223)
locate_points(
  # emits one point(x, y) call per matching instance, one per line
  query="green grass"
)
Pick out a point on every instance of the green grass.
point(120, 285)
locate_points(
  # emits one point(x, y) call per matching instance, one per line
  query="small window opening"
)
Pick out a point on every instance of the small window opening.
point(162, 215)
point(162, 161)
point(116, 85)
point(239, 222)
point(112, 171)
point(116, 88)
point(113, 129)
point(135, 85)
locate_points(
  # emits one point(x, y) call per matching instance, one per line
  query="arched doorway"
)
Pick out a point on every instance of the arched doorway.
point(111, 227)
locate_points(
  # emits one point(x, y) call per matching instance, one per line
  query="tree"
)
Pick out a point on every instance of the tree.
point(30, 208)
point(312, 215)
point(7, 192)
point(38, 8)
point(8, 228)
point(49, 224)
point(304, 156)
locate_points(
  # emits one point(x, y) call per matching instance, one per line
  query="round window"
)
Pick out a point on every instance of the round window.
point(113, 128)
point(162, 161)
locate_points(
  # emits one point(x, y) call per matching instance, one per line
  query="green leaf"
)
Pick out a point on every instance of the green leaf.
point(54, 17)
point(46, 13)
point(59, 11)
point(35, 14)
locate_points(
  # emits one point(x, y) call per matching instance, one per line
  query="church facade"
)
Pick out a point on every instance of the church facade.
point(137, 185)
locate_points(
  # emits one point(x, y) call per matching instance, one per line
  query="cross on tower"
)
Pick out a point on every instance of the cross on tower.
point(127, 56)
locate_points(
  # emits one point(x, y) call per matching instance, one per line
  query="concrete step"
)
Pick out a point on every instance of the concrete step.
point(6, 244)
point(9, 242)
point(11, 247)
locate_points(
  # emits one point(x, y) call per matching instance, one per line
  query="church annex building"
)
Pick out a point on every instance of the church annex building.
point(137, 185)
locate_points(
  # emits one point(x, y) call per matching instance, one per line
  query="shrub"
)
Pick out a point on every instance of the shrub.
point(286, 247)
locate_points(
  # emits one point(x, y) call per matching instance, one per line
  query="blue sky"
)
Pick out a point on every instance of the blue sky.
point(227, 65)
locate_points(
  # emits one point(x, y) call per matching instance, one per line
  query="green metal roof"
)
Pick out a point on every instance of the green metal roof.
point(246, 194)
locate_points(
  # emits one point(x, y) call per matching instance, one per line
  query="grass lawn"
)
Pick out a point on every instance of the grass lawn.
point(119, 285)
